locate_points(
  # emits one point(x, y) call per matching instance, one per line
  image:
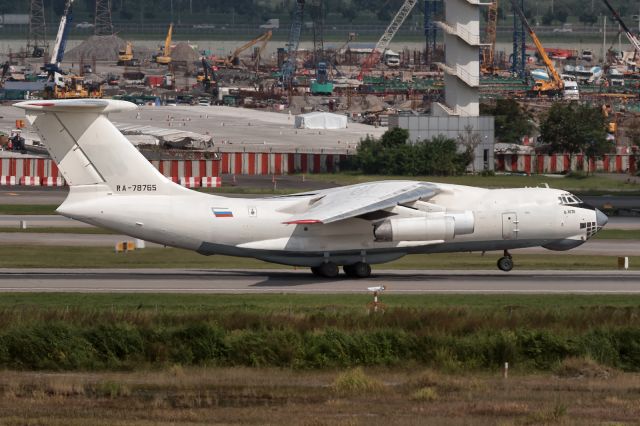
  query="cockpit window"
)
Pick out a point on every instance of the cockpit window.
point(569, 199)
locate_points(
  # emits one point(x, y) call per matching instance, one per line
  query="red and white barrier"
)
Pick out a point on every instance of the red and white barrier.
point(7, 180)
point(562, 163)
point(190, 182)
point(211, 182)
point(52, 181)
point(30, 181)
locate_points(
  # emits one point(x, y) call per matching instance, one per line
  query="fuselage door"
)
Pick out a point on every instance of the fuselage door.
point(509, 226)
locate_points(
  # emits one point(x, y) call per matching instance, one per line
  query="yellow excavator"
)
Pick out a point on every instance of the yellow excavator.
point(555, 85)
point(164, 58)
point(233, 59)
point(125, 57)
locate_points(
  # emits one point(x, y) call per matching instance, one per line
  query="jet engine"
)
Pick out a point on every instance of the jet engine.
point(434, 226)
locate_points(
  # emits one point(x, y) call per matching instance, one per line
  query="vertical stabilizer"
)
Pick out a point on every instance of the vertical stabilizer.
point(90, 150)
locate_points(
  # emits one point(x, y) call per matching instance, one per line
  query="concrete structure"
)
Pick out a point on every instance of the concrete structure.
point(461, 68)
point(459, 116)
point(478, 131)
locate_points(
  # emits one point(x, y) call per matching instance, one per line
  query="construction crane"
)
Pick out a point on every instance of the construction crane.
point(555, 85)
point(233, 59)
point(165, 57)
point(289, 65)
point(57, 55)
point(387, 36)
point(488, 52)
point(632, 39)
point(59, 87)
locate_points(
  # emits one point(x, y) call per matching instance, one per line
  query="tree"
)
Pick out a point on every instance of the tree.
point(588, 17)
point(632, 131)
point(393, 155)
point(548, 17)
point(512, 122)
point(394, 137)
point(575, 128)
point(562, 13)
point(470, 141)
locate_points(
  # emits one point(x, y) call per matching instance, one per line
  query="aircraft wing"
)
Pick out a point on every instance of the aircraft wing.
point(332, 205)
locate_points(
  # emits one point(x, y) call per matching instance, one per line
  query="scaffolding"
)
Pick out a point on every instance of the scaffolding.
point(432, 11)
point(103, 23)
point(37, 43)
point(519, 56)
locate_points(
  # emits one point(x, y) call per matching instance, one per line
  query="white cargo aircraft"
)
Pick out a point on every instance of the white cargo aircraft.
point(113, 186)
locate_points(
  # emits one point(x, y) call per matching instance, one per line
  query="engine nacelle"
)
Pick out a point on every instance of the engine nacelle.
point(438, 226)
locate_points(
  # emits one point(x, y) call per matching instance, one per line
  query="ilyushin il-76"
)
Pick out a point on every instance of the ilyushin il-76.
point(112, 185)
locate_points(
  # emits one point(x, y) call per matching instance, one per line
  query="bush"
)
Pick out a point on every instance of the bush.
point(356, 382)
point(425, 394)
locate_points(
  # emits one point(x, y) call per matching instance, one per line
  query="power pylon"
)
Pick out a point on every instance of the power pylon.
point(36, 43)
point(103, 23)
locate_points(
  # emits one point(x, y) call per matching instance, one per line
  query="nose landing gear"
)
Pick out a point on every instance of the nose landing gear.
point(505, 263)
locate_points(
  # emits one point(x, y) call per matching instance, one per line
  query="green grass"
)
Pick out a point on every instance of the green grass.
point(29, 256)
point(30, 209)
point(292, 303)
point(618, 234)
point(58, 230)
point(588, 185)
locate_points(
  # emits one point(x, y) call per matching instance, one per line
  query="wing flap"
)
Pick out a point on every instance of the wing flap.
point(355, 200)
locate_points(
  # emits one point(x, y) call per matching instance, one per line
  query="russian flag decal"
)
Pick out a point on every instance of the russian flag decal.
point(222, 212)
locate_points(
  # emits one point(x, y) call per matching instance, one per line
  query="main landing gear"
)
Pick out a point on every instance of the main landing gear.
point(505, 263)
point(331, 270)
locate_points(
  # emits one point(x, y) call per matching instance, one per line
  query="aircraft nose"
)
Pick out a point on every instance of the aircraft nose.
point(601, 218)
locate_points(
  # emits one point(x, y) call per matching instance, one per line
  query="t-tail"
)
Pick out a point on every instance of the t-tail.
point(91, 153)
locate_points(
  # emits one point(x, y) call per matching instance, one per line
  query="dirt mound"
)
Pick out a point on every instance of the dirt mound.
point(184, 53)
point(102, 48)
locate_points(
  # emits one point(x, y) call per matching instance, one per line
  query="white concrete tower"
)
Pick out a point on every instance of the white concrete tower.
point(461, 30)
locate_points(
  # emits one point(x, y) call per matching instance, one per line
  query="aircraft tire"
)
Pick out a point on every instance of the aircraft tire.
point(358, 270)
point(327, 270)
point(505, 263)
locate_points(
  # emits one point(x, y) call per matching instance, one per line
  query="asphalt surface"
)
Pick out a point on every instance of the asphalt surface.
point(301, 281)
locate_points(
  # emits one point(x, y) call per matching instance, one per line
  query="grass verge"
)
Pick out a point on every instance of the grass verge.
point(179, 395)
point(450, 333)
point(592, 185)
point(57, 230)
point(30, 209)
point(32, 256)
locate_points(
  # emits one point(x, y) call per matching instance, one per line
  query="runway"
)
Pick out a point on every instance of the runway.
point(302, 282)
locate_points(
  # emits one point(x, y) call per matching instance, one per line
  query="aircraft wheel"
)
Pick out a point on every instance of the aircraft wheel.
point(327, 270)
point(358, 270)
point(505, 263)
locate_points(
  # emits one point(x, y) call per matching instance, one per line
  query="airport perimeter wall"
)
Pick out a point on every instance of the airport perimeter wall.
point(20, 170)
point(559, 163)
point(30, 170)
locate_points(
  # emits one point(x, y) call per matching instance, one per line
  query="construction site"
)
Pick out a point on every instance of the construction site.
point(300, 105)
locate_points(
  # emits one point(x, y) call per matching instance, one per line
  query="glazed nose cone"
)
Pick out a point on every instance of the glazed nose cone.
point(601, 218)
